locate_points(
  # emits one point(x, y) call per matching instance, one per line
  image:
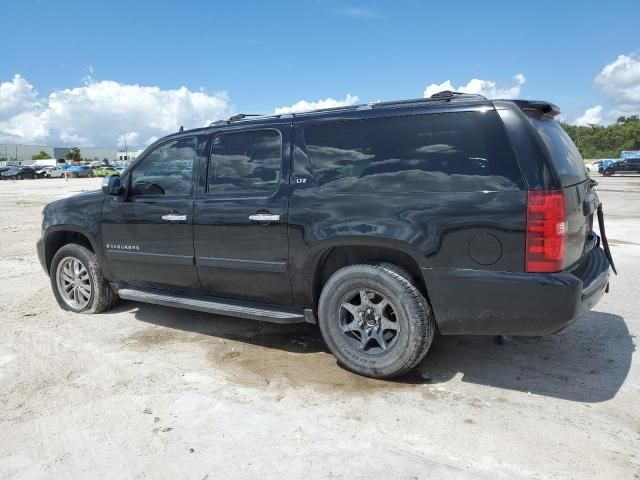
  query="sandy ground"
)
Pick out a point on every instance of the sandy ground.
point(151, 392)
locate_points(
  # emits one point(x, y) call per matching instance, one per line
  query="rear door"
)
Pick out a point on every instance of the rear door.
point(622, 166)
point(240, 215)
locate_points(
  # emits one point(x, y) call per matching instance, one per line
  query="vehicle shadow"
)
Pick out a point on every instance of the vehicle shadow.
point(588, 362)
point(294, 338)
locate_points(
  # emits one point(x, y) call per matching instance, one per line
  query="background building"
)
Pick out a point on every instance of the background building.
point(21, 154)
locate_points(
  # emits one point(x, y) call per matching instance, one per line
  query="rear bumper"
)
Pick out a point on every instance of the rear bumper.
point(480, 302)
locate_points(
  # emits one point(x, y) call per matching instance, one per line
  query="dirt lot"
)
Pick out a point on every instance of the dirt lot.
point(150, 392)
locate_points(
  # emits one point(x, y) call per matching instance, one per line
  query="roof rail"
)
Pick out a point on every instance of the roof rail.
point(242, 116)
point(452, 94)
point(445, 95)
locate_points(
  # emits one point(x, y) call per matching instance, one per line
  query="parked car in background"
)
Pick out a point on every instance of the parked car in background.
point(80, 171)
point(103, 171)
point(594, 166)
point(41, 171)
point(627, 165)
point(55, 172)
point(18, 173)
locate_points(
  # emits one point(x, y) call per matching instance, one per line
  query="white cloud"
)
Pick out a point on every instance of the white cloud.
point(103, 113)
point(620, 80)
point(130, 138)
point(488, 88)
point(305, 106)
point(591, 116)
point(17, 96)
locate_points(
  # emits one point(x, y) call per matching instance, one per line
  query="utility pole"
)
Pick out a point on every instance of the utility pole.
point(126, 154)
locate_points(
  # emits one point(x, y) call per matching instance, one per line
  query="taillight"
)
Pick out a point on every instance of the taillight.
point(546, 231)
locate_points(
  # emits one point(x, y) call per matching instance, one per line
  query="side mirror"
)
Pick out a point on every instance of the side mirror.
point(112, 185)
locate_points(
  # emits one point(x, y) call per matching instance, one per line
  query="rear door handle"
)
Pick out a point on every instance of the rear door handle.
point(264, 217)
point(172, 217)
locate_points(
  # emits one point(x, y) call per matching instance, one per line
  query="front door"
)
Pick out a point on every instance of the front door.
point(148, 235)
point(240, 216)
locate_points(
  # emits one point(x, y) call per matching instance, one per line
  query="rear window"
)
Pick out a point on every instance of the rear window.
point(566, 159)
point(463, 151)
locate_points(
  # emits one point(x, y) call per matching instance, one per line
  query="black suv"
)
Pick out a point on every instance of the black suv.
point(626, 165)
point(379, 222)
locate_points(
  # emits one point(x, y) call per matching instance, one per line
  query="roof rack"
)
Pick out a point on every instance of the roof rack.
point(446, 95)
point(242, 116)
point(452, 94)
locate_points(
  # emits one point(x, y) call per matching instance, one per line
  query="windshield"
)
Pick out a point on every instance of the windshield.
point(566, 158)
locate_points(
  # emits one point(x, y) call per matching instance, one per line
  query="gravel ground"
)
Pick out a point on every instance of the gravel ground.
point(150, 392)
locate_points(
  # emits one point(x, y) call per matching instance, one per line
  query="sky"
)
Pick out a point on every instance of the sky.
point(96, 73)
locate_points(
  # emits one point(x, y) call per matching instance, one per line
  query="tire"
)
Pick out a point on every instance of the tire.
point(100, 298)
point(355, 339)
point(18, 177)
point(607, 172)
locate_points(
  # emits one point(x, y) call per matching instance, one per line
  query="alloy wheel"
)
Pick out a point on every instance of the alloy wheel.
point(74, 283)
point(368, 319)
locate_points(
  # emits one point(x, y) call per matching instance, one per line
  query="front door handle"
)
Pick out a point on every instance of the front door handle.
point(264, 217)
point(172, 217)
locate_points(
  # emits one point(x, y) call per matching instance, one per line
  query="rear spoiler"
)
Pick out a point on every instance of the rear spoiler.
point(537, 107)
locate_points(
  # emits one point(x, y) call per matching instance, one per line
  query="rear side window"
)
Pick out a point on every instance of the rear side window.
point(245, 163)
point(457, 152)
point(566, 159)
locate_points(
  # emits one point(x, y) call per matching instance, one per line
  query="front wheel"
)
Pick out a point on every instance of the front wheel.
point(375, 321)
point(607, 172)
point(18, 177)
point(77, 281)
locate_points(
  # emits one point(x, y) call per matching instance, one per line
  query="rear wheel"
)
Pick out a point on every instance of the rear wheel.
point(77, 281)
point(374, 320)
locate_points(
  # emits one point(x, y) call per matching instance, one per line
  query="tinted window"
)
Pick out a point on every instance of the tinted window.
point(245, 163)
point(465, 151)
point(167, 170)
point(566, 158)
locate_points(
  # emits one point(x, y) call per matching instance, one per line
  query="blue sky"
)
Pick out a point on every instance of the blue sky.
point(272, 54)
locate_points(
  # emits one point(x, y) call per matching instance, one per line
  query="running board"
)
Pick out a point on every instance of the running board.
point(218, 306)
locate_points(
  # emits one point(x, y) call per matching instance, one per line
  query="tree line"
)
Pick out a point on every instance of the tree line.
point(597, 141)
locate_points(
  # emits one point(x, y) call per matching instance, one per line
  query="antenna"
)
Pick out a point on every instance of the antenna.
point(181, 128)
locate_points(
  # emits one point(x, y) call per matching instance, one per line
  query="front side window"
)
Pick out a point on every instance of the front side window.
point(457, 152)
point(168, 170)
point(245, 163)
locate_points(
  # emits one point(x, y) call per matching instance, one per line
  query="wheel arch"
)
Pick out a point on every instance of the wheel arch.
point(331, 258)
point(59, 236)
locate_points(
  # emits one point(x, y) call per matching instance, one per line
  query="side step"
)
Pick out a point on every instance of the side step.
point(218, 306)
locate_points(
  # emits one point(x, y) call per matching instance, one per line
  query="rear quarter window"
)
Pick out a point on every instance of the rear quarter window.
point(458, 151)
point(565, 157)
